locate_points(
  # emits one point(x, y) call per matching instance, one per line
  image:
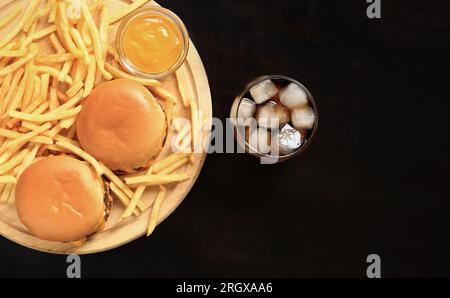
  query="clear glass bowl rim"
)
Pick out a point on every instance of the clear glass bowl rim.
point(124, 61)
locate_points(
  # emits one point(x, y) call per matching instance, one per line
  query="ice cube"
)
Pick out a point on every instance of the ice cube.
point(283, 114)
point(289, 140)
point(260, 141)
point(247, 109)
point(263, 91)
point(265, 115)
point(293, 96)
point(272, 115)
point(303, 118)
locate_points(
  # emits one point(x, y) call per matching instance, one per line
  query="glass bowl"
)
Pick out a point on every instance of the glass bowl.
point(152, 10)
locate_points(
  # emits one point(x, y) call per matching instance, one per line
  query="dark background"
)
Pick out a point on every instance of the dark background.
point(374, 181)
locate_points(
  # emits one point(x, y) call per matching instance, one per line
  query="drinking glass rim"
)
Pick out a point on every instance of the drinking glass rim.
point(311, 99)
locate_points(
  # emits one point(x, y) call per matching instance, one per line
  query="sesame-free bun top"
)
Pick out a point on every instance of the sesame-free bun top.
point(60, 198)
point(122, 125)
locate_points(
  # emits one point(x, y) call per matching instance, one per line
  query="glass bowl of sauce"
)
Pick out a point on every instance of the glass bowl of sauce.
point(152, 42)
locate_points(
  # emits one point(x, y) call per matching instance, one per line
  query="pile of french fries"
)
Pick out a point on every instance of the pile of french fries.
point(42, 93)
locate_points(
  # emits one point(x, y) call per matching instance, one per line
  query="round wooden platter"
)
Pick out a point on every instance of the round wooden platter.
point(117, 234)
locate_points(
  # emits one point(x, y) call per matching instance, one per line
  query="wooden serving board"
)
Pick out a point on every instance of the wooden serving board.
point(117, 234)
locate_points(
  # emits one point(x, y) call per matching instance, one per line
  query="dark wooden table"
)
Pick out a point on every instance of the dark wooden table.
point(376, 179)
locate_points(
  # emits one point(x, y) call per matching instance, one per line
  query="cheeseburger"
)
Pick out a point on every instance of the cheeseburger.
point(60, 198)
point(122, 125)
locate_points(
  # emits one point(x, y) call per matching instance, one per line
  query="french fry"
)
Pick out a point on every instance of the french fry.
point(31, 108)
point(12, 89)
point(28, 160)
point(163, 93)
point(53, 72)
point(90, 78)
point(81, 153)
point(68, 123)
point(43, 33)
point(29, 88)
point(183, 139)
point(169, 112)
point(37, 35)
point(27, 127)
point(55, 58)
point(56, 44)
point(174, 167)
point(11, 15)
point(135, 199)
point(27, 137)
point(51, 116)
point(95, 5)
point(194, 125)
point(42, 140)
point(55, 131)
point(130, 8)
point(36, 16)
point(37, 87)
point(122, 197)
point(80, 43)
point(75, 88)
point(157, 179)
point(82, 28)
point(12, 196)
point(52, 14)
point(170, 99)
point(6, 194)
point(70, 103)
point(13, 162)
point(6, 83)
point(11, 46)
point(186, 141)
point(65, 71)
point(29, 38)
point(2, 187)
point(60, 138)
point(8, 180)
point(62, 24)
point(80, 71)
point(54, 103)
point(45, 80)
point(112, 51)
point(14, 31)
point(43, 107)
point(7, 154)
point(122, 186)
point(16, 53)
point(95, 35)
point(10, 134)
point(168, 161)
point(18, 96)
point(181, 79)
point(155, 210)
point(55, 148)
point(103, 31)
point(34, 50)
point(117, 73)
